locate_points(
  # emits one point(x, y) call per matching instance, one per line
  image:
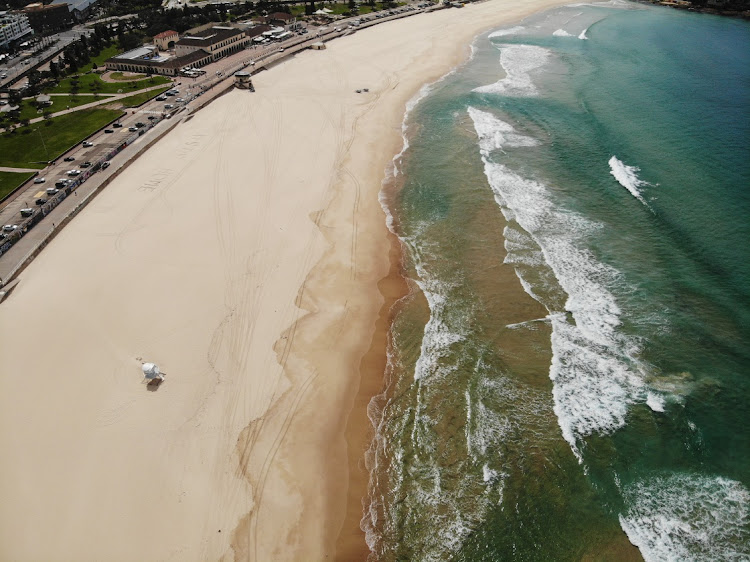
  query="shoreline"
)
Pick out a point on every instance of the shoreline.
point(270, 325)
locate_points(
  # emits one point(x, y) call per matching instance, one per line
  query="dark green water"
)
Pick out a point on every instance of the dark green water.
point(569, 376)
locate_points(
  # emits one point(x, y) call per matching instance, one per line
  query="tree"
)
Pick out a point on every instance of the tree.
point(129, 41)
point(15, 97)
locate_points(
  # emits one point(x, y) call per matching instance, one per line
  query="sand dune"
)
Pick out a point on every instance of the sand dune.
point(242, 255)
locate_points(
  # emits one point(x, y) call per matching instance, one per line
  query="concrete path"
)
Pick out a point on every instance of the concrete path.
point(17, 170)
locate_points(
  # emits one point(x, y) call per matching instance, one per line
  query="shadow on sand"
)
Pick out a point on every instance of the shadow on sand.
point(154, 384)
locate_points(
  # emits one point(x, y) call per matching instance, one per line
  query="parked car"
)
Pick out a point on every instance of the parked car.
point(132, 129)
point(86, 165)
point(74, 172)
point(139, 124)
point(117, 125)
point(52, 190)
point(39, 180)
point(87, 144)
point(40, 201)
point(27, 212)
point(168, 106)
point(61, 183)
point(69, 158)
point(108, 131)
point(161, 97)
point(105, 165)
point(10, 227)
point(151, 117)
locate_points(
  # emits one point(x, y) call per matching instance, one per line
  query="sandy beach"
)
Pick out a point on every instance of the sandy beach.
point(244, 254)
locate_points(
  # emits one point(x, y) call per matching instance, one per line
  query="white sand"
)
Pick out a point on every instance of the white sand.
point(199, 257)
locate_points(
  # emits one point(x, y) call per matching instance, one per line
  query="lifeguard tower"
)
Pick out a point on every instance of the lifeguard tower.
point(242, 81)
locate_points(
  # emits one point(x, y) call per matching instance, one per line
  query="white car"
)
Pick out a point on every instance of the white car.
point(74, 172)
point(39, 180)
point(87, 144)
point(10, 227)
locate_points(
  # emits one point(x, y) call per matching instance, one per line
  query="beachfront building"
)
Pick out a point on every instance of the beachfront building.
point(148, 60)
point(13, 26)
point(48, 19)
point(79, 9)
point(257, 31)
point(280, 18)
point(166, 40)
point(217, 41)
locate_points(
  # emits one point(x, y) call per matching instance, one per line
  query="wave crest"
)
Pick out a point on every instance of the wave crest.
point(685, 517)
point(518, 61)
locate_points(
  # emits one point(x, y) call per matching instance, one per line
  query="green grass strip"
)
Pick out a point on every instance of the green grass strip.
point(47, 140)
point(139, 99)
point(11, 180)
point(59, 103)
point(92, 83)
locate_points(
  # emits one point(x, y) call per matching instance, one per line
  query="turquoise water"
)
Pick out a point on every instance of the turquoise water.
point(568, 378)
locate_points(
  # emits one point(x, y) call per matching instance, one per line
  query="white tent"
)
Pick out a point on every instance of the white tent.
point(151, 372)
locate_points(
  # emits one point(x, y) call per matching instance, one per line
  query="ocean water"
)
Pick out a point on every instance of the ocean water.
point(569, 376)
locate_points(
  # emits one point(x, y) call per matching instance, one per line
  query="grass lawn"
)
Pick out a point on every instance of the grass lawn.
point(122, 78)
point(93, 83)
point(106, 53)
point(11, 180)
point(47, 140)
point(29, 111)
point(138, 99)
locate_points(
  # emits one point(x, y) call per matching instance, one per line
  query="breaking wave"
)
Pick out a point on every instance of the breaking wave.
point(627, 176)
point(518, 61)
point(510, 31)
point(685, 517)
point(595, 369)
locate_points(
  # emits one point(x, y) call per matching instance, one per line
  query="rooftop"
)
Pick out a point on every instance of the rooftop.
point(79, 5)
point(146, 51)
point(209, 36)
point(168, 33)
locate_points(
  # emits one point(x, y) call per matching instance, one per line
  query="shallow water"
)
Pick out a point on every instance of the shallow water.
point(568, 377)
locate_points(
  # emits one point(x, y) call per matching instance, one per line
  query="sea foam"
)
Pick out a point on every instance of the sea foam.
point(583, 35)
point(517, 61)
point(509, 31)
point(627, 176)
point(686, 517)
point(561, 33)
point(595, 369)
